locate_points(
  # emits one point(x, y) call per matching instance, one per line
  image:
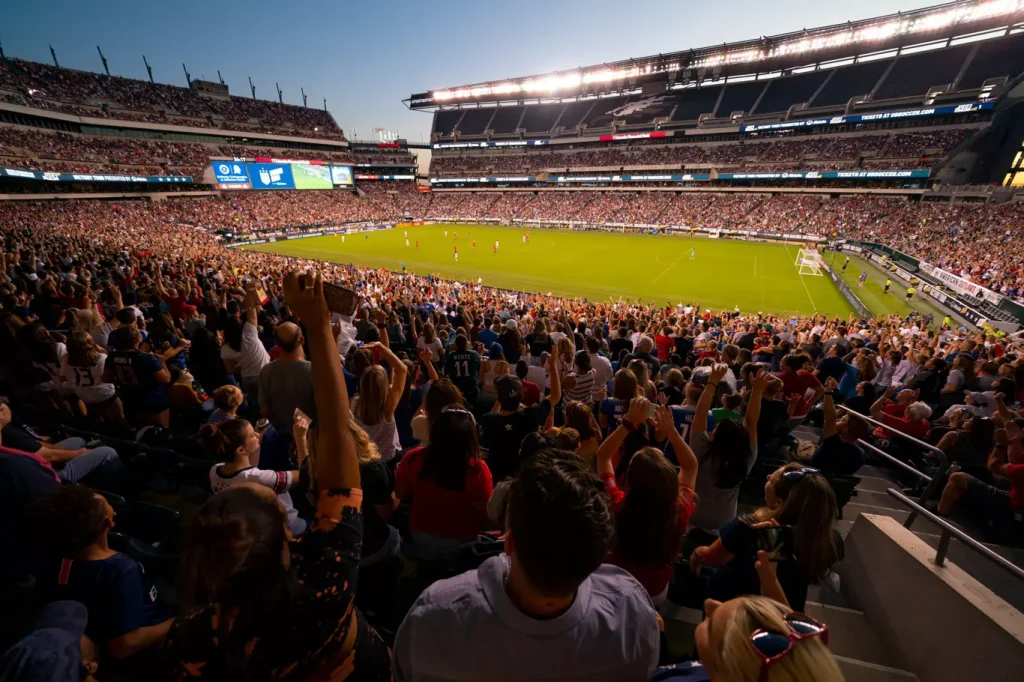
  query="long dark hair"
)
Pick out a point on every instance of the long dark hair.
point(648, 532)
point(233, 333)
point(730, 449)
point(231, 557)
point(453, 447)
point(809, 506)
point(38, 343)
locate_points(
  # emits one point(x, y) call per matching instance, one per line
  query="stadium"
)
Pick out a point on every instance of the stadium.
point(702, 365)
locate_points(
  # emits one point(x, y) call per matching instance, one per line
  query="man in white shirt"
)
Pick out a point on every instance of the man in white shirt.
point(547, 608)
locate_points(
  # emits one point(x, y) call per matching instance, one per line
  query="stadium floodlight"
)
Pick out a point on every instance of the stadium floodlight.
point(856, 35)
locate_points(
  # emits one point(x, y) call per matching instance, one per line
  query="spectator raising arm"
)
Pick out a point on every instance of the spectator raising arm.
point(336, 463)
point(758, 382)
point(684, 455)
point(707, 397)
point(606, 453)
point(398, 373)
point(828, 406)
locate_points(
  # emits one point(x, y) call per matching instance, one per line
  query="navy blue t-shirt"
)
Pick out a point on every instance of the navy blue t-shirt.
point(835, 456)
point(116, 592)
point(133, 375)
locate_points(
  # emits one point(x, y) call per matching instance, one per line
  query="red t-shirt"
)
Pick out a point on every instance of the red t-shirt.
point(456, 514)
point(917, 429)
point(531, 394)
point(176, 305)
point(665, 344)
point(798, 383)
point(1015, 472)
point(654, 578)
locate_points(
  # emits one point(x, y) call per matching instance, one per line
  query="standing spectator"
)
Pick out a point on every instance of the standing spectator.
point(448, 485)
point(286, 385)
point(142, 379)
point(374, 408)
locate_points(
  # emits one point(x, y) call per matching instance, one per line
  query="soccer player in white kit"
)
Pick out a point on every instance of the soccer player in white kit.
point(446, 233)
point(407, 242)
point(495, 244)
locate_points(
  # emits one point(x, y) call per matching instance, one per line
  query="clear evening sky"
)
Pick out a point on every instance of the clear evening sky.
point(365, 57)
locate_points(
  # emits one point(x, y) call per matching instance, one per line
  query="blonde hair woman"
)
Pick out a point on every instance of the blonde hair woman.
point(374, 407)
point(645, 387)
point(757, 639)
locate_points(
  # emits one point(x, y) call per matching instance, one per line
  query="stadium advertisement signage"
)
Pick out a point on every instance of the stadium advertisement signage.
point(633, 136)
point(271, 175)
point(499, 143)
point(341, 176)
point(864, 118)
point(374, 176)
point(89, 177)
point(230, 175)
point(702, 177)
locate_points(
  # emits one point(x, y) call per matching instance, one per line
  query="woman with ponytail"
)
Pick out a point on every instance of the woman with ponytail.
point(237, 445)
point(261, 604)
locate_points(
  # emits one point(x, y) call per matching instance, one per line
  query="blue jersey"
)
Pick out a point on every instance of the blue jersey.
point(682, 417)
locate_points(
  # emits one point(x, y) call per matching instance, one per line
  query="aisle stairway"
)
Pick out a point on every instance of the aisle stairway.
point(862, 655)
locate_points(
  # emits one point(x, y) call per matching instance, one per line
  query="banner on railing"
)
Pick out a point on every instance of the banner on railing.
point(961, 285)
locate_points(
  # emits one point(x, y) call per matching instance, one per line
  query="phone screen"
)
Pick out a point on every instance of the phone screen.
point(776, 541)
point(651, 410)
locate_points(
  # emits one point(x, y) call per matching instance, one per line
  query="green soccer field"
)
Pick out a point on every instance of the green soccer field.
point(723, 273)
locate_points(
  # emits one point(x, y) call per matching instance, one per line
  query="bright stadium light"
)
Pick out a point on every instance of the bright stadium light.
point(861, 34)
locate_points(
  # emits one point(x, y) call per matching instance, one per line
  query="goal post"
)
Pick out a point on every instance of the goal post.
point(808, 261)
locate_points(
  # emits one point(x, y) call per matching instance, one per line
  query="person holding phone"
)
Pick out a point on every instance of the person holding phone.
point(795, 526)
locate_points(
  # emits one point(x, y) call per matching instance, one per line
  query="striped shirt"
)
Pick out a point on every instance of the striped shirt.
point(584, 388)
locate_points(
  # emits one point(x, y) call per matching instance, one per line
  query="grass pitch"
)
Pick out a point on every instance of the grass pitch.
point(722, 274)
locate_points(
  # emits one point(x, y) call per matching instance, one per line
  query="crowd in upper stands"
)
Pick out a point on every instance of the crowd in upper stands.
point(904, 149)
point(44, 150)
point(419, 478)
point(91, 94)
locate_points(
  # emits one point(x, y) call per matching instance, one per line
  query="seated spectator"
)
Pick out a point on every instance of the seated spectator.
point(654, 508)
point(726, 455)
point(793, 646)
point(797, 381)
point(549, 599)
point(914, 418)
point(838, 453)
point(800, 504)
point(373, 410)
point(236, 444)
point(447, 484)
point(54, 649)
point(531, 391)
point(142, 379)
point(970, 441)
point(70, 458)
point(181, 392)
point(255, 598)
point(226, 401)
point(505, 427)
point(83, 369)
point(1002, 497)
point(126, 614)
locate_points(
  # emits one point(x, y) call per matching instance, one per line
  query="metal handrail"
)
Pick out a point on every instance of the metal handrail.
point(951, 531)
point(933, 483)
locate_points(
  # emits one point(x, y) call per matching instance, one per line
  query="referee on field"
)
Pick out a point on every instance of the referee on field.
point(888, 283)
point(910, 293)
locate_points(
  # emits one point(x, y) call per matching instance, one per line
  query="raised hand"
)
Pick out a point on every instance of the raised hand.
point(304, 294)
point(831, 384)
point(718, 372)
point(637, 410)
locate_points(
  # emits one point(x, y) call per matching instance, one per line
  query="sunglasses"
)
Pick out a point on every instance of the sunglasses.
point(797, 474)
point(773, 646)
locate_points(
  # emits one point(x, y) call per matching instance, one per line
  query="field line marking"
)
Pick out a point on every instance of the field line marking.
point(809, 297)
point(665, 271)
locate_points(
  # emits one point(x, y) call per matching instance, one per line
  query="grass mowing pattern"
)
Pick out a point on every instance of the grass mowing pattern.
point(873, 292)
point(724, 272)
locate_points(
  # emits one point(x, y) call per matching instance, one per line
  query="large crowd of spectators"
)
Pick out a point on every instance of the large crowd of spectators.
point(423, 479)
point(814, 153)
point(92, 94)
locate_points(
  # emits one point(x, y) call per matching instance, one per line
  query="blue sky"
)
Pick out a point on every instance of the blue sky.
point(366, 57)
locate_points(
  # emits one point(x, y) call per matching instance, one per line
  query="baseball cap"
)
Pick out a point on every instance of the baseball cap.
point(510, 391)
point(511, 324)
point(495, 351)
point(53, 650)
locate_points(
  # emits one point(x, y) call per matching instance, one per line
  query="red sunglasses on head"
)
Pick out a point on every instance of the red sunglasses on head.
point(773, 646)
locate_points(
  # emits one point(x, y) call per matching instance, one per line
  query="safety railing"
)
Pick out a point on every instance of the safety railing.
point(950, 531)
point(932, 485)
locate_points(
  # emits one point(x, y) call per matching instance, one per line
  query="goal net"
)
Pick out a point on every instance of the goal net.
point(809, 262)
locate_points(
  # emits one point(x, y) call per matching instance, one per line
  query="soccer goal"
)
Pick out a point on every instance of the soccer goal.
point(809, 262)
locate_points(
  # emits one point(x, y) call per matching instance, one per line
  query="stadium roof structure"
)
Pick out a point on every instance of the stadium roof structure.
point(762, 55)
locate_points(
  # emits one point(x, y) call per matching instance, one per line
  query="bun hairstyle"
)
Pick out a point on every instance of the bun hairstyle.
point(223, 439)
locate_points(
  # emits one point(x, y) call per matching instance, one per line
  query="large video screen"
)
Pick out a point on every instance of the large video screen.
point(308, 176)
point(271, 175)
point(341, 176)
